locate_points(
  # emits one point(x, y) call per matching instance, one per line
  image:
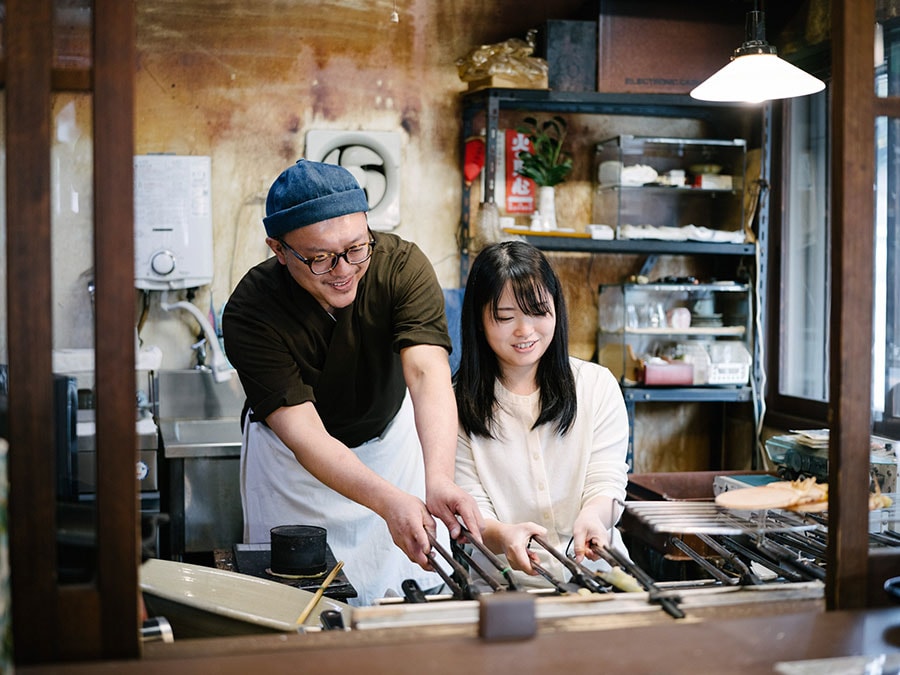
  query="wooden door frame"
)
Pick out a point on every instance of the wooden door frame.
point(53, 622)
point(101, 620)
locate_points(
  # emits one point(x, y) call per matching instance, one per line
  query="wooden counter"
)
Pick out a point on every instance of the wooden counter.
point(737, 644)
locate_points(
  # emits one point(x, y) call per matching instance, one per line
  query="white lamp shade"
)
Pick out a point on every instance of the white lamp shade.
point(754, 78)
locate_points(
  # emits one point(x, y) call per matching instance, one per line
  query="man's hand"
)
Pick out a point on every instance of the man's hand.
point(446, 500)
point(410, 525)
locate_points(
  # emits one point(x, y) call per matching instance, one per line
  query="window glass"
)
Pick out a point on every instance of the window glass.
point(886, 350)
point(886, 310)
point(72, 241)
point(887, 56)
point(805, 253)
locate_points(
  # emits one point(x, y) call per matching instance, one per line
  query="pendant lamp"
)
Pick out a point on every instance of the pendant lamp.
point(755, 73)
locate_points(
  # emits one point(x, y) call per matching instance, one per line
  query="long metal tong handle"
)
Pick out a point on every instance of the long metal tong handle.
point(759, 558)
point(603, 586)
point(705, 564)
point(461, 586)
point(747, 578)
point(785, 556)
point(505, 570)
point(452, 585)
point(587, 581)
point(458, 549)
point(613, 557)
point(560, 588)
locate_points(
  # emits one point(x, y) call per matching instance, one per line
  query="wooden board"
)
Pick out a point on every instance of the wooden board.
point(526, 232)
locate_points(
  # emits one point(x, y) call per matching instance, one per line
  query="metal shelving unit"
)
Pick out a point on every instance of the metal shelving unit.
point(588, 245)
point(723, 120)
point(492, 101)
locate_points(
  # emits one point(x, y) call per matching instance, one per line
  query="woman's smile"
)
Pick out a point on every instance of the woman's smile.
point(524, 346)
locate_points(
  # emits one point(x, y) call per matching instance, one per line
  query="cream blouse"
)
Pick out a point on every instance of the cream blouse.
point(537, 475)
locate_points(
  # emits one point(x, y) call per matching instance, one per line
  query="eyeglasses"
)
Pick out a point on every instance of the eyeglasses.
point(325, 262)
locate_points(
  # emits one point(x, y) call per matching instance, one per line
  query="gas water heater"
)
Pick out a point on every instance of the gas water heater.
point(172, 222)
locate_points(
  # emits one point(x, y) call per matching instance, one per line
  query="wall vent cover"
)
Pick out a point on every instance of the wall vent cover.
point(373, 157)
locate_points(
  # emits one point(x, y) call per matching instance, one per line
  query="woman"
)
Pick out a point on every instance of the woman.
point(543, 436)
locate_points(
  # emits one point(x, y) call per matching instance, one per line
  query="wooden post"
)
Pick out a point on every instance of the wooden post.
point(853, 227)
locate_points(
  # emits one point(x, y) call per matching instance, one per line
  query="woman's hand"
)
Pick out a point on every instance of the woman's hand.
point(512, 541)
point(593, 524)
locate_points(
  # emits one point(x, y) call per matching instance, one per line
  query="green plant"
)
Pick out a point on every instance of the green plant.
point(547, 164)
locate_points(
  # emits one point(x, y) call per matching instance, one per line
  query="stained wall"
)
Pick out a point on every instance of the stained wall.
point(243, 82)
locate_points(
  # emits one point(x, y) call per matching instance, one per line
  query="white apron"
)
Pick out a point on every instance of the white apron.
point(277, 490)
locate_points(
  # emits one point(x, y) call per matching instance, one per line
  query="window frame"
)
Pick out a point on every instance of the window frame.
point(789, 412)
point(785, 411)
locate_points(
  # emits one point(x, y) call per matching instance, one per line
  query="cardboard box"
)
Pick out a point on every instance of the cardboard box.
point(661, 47)
point(507, 82)
point(570, 49)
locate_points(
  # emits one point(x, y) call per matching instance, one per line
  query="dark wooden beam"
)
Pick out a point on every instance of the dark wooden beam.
point(61, 79)
point(32, 463)
point(32, 514)
point(71, 79)
point(54, 622)
point(853, 176)
point(117, 486)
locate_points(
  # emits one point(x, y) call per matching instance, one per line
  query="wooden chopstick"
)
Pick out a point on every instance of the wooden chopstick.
point(311, 605)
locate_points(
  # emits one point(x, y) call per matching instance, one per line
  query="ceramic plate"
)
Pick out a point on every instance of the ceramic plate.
point(239, 597)
point(753, 498)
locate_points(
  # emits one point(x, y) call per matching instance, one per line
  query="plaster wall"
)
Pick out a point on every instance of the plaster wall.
point(244, 82)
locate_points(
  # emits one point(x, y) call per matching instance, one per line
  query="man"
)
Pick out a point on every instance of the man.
point(341, 345)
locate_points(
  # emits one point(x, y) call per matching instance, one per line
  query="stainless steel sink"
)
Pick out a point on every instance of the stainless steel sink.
point(199, 421)
point(201, 438)
point(199, 417)
point(208, 432)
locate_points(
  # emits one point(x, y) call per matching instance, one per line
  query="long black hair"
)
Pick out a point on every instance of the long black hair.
point(533, 283)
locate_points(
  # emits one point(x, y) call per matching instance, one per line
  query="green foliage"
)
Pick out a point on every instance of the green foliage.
point(548, 164)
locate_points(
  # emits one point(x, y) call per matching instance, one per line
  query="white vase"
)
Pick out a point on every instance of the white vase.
point(547, 206)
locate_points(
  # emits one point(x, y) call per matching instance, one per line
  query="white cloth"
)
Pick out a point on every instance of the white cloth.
point(536, 475)
point(684, 233)
point(277, 490)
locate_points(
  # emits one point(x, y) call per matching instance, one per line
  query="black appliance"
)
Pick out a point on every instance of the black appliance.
point(65, 420)
point(65, 411)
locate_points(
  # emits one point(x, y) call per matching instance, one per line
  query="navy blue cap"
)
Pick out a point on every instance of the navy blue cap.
point(310, 192)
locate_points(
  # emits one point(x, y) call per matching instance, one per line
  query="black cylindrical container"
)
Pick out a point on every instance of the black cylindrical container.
point(298, 550)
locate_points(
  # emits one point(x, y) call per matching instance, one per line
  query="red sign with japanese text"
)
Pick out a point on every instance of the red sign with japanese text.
point(520, 191)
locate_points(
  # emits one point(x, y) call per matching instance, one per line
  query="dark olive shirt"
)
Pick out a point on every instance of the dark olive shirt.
point(288, 350)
